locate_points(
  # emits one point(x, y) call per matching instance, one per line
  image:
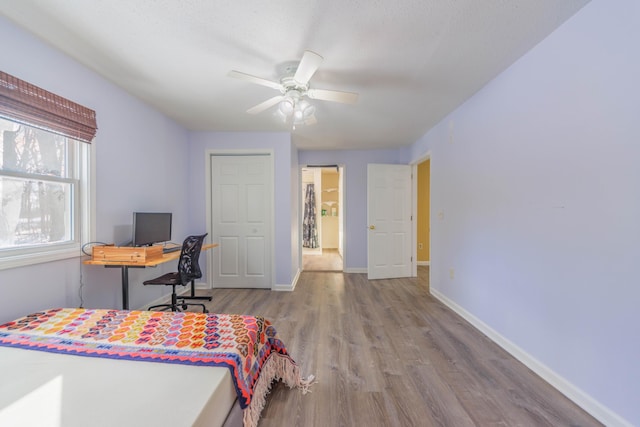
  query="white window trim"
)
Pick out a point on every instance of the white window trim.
point(21, 257)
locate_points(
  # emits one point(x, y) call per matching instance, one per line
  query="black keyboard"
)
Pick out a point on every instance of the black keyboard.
point(171, 249)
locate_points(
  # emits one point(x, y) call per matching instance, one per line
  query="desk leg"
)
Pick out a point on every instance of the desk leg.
point(125, 287)
point(125, 282)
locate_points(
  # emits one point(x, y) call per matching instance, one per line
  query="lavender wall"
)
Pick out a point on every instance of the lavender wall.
point(280, 143)
point(355, 177)
point(539, 193)
point(141, 164)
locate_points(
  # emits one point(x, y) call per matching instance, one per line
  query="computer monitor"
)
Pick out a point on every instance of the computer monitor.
point(151, 227)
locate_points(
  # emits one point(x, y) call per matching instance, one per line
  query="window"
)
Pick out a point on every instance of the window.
point(43, 194)
point(44, 177)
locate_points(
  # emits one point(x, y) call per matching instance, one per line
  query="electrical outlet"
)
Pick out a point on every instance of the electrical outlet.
point(420, 246)
point(452, 273)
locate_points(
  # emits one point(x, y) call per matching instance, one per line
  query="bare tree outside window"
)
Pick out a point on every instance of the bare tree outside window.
point(36, 189)
point(45, 174)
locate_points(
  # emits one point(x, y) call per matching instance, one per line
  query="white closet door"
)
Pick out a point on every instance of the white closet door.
point(241, 191)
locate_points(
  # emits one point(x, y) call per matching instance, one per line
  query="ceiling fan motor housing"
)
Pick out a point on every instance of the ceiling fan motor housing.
point(289, 84)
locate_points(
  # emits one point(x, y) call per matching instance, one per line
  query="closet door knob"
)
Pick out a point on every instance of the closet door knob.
point(372, 227)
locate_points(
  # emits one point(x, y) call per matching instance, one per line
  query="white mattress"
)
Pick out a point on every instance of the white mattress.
point(47, 389)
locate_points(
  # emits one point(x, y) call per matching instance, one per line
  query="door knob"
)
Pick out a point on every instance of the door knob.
point(372, 227)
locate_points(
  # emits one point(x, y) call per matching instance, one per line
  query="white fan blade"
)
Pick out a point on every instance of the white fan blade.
point(333, 95)
point(266, 104)
point(253, 79)
point(307, 67)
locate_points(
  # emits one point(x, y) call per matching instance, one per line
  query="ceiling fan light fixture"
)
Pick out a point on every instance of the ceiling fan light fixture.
point(304, 114)
point(286, 106)
point(293, 106)
point(308, 109)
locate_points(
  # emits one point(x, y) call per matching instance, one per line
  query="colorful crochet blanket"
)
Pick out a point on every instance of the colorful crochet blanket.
point(247, 345)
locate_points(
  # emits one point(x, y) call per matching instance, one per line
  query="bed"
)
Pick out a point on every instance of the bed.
point(78, 367)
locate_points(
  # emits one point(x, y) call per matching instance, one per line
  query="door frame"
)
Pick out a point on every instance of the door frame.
point(342, 213)
point(414, 212)
point(238, 152)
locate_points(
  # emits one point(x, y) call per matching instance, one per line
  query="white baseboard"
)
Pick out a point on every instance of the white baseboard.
point(167, 298)
point(162, 300)
point(422, 263)
point(288, 287)
point(295, 279)
point(579, 397)
point(199, 285)
point(356, 270)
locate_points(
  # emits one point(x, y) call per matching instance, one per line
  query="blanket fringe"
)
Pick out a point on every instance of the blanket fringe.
point(276, 368)
point(306, 383)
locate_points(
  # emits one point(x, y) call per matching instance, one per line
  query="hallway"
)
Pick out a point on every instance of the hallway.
point(330, 260)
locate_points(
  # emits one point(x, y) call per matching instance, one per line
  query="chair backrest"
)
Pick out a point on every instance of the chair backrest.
point(188, 266)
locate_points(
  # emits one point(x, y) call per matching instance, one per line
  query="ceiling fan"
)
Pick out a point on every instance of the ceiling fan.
point(294, 89)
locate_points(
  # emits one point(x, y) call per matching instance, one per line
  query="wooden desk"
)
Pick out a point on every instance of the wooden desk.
point(125, 266)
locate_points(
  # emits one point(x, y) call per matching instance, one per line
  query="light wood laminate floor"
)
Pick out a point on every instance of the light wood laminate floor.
point(329, 260)
point(385, 353)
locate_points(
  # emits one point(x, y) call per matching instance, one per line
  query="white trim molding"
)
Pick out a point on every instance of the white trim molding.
point(288, 287)
point(579, 397)
point(198, 285)
point(356, 270)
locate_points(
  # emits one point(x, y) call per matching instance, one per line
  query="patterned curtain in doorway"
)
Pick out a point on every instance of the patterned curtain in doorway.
point(309, 230)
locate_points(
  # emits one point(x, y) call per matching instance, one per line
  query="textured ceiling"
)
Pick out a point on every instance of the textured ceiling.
point(412, 62)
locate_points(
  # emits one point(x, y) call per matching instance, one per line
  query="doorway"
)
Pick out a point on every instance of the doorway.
point(423, 212)
point(421, 190)
point(322, 218)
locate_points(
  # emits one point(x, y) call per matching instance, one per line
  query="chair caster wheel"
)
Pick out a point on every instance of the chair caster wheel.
point(205, 311)
point(184, 306)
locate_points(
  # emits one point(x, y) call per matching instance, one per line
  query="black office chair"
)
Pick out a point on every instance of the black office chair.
point(188, 271)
